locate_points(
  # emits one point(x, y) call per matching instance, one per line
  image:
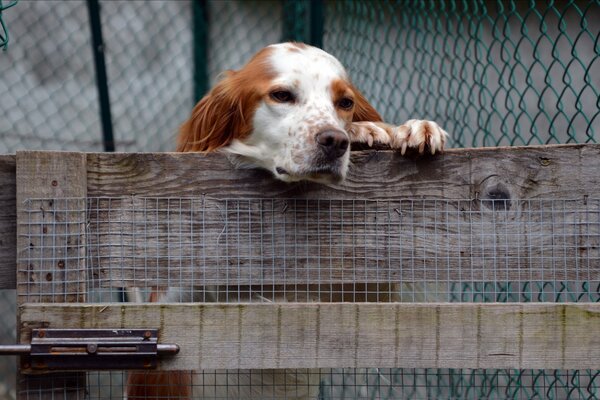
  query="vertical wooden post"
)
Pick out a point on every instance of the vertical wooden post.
point(8, 228)
point(50, 250)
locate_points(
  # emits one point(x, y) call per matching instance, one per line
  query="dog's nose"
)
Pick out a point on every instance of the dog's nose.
point(333, 143)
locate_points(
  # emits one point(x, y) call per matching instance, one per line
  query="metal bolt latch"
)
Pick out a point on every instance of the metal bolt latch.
point(80, 349)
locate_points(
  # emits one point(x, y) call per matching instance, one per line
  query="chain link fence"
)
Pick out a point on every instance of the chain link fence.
point(49, 97)
point(490, 72)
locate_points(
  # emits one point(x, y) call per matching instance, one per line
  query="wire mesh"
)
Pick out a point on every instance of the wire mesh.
point(49, 98)
point(148, 59)
point(4, 37)
point(257, 23)
point(491, 72)
point(249, 250)
point(263, 250)
point(372, 383)
point(49, 94)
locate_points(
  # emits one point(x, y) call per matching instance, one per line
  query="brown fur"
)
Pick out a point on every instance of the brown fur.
point(159, 385)
point(226, 112)
point(363, 111)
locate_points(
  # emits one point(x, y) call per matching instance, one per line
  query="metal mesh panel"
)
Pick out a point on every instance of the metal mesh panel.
point(49, 93)
point(491, 73)
point(372, 383)
point(264, 249)
point(301, 250)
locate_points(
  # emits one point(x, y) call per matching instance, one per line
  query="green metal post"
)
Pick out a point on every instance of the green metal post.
point(317, 22)
point(303, 21)
point(200, 32)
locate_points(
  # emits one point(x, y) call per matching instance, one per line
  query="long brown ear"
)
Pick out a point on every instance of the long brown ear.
point(363, 111)
point(217, 119)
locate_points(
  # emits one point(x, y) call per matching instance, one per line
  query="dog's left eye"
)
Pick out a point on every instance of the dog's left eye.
point(345, 103)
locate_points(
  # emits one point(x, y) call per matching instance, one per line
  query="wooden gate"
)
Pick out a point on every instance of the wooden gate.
point(83, 227)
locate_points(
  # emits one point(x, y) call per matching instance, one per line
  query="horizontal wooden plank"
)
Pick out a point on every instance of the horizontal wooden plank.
point(146, 242)
point(437, 241)
point(8, 222)
point(559, 171)
point(141, 242)
point(322, 335)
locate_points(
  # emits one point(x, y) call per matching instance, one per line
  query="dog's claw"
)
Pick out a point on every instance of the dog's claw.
point(403, 149)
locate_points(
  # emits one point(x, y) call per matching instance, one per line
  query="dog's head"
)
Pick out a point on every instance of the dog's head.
point(286, 111)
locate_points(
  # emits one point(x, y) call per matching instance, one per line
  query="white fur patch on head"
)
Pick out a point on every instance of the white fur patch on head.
point(283, 139)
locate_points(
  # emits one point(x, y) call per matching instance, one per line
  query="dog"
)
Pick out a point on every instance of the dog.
point(293, 111)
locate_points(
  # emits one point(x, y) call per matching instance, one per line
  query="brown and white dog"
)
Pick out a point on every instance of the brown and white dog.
point(293, 111)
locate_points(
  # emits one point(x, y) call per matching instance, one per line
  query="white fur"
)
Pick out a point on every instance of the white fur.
point(284, 134)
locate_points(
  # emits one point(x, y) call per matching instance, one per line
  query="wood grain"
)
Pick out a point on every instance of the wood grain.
point(478, 244)
point(146, 242)
point(51, 241)
point(50, 246)
point(488, 184)
point(322, 335)
point(535, 172)
point(560, 171)
point(8, 222)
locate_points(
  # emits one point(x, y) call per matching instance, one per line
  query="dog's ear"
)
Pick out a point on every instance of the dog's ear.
point(217, 119)
point(363, 111)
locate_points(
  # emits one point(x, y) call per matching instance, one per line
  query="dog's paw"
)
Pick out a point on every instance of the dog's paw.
point(425, 136)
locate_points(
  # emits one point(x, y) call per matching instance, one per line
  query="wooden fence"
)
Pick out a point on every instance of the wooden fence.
point(296, 335)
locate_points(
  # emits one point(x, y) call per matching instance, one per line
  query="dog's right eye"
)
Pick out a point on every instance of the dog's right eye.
point(282, 96)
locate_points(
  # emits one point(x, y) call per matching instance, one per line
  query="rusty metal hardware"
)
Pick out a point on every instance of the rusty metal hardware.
point(97, 349)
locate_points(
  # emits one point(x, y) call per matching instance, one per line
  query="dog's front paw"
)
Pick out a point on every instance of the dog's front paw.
point(426, 136)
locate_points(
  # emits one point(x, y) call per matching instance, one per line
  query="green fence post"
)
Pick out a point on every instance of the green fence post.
point(317, 21)
point(303, 21)
point(108, 140)
point(200, 43)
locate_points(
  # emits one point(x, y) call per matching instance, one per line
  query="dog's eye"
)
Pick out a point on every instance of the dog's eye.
point(345, 103)
point(282, 96)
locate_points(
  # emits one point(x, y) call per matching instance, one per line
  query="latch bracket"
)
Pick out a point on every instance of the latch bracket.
point(95, 349)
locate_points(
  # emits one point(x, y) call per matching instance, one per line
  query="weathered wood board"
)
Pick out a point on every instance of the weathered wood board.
point(322, 335)
point(492, 182)
point(59, 238)
point(559, 171)
point(8, 222)
point(506, 174)
point(169, 242)
point(54, 236)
